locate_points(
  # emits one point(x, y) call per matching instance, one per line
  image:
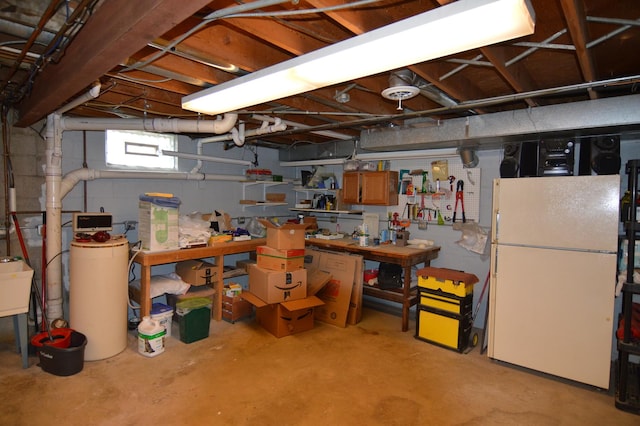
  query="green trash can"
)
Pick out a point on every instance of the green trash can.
point(194, 318)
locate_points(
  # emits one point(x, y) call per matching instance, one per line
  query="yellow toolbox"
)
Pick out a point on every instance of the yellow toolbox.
point(443, 328)
point(447, 302)
point(444, 313)
point(446, 280)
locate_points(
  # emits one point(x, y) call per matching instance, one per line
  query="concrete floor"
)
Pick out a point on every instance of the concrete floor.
point(369, 374)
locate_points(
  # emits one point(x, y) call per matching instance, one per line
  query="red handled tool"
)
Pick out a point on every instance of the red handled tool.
point(459, 197)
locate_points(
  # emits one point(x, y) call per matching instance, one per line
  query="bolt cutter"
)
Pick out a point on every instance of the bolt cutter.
point(459, 197)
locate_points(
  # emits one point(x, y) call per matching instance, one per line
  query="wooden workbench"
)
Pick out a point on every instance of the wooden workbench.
point(406, 257)
point(148, 259)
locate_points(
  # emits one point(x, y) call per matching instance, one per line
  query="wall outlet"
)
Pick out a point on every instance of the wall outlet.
point(130, 225)
point(241, 220)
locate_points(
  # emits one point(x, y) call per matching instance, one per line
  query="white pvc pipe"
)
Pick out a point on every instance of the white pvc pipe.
point(170, 125)
point(57, 188)
point(72, 178)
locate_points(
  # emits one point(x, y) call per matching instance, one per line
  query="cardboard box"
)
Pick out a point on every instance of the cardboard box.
point(276, 286)
point(286, 318)
point(157, 227)
point(280, 260)
point(337, 293)
point(197, 272)
point(285, 237)
point(235, 308)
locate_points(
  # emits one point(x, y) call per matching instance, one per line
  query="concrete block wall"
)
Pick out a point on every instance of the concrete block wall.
point(26, 149)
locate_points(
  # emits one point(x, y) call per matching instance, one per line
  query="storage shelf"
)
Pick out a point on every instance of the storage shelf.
point(326, 211)
point(263, 204)
point(628, 379)
point(631, 402)
point(238, 272)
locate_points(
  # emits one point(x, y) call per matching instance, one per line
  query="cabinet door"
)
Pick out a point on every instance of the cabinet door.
point(380, 188)
point(351, 188)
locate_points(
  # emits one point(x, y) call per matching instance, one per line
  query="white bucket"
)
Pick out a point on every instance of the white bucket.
point(151, 337)
point(164, 315)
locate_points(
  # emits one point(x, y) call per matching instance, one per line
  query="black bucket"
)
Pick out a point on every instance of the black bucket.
point(64, 361)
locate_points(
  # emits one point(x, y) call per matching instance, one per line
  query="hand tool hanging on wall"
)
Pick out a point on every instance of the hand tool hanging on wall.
point(460, 198)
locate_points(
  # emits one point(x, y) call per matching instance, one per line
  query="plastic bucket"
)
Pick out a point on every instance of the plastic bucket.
point(164, 315)
point(60, 338)
point(64, 361)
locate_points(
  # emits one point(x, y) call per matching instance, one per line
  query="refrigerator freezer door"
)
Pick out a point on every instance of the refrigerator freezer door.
point(575, 212)
point(552, 311)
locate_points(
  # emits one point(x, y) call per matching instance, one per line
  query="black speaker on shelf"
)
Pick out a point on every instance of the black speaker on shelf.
point(556, 157)
point(529, 159)
point(510, 164)
point(605, 155)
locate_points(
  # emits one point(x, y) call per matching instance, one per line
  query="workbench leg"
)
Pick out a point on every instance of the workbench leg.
point(406, 295)
point(219, 288)
point(145, 291)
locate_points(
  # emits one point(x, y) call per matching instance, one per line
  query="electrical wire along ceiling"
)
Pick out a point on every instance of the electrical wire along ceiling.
point(169, 58)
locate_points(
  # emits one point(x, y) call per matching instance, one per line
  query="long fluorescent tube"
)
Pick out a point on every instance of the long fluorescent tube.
point(407, 155)
point(443, 31)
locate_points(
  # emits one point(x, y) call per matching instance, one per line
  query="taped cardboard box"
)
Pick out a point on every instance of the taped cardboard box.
point(285, 237)
point(338, 294)
point(197, 272)
point(277, 286)
point(292, 317)
point(286, 318)
point(280, 260)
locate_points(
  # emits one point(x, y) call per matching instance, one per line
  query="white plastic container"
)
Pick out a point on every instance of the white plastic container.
point(151, 336)
point(164, 315)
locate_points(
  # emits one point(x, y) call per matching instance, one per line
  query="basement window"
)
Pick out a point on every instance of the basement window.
point(140, 150)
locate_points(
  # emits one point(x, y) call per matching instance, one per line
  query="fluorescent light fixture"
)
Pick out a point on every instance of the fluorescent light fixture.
point(407, 155)
point(207, 158)
point(443, 31)
point(323, 162)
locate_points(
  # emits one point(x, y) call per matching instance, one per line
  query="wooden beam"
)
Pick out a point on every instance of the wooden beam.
point(117, 30)
point(577, 23)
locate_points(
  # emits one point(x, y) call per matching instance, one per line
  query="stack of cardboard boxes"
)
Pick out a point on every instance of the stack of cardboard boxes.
point(342, 295)
point(280, 288)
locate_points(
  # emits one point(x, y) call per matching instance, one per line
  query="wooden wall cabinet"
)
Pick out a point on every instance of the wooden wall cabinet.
point(370, 188)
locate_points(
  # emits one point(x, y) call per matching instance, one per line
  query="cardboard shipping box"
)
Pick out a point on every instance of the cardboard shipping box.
point(292, 317)
point(338, 295)
point(280, 260)
point(277, 286)
point(157, 227)
point(285, 237)
point(197, 272)
point(286, 318)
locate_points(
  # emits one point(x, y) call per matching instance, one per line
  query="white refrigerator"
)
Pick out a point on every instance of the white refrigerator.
point(553, 274)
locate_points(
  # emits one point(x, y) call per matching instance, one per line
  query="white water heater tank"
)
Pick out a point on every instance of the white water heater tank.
point(98, 295)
